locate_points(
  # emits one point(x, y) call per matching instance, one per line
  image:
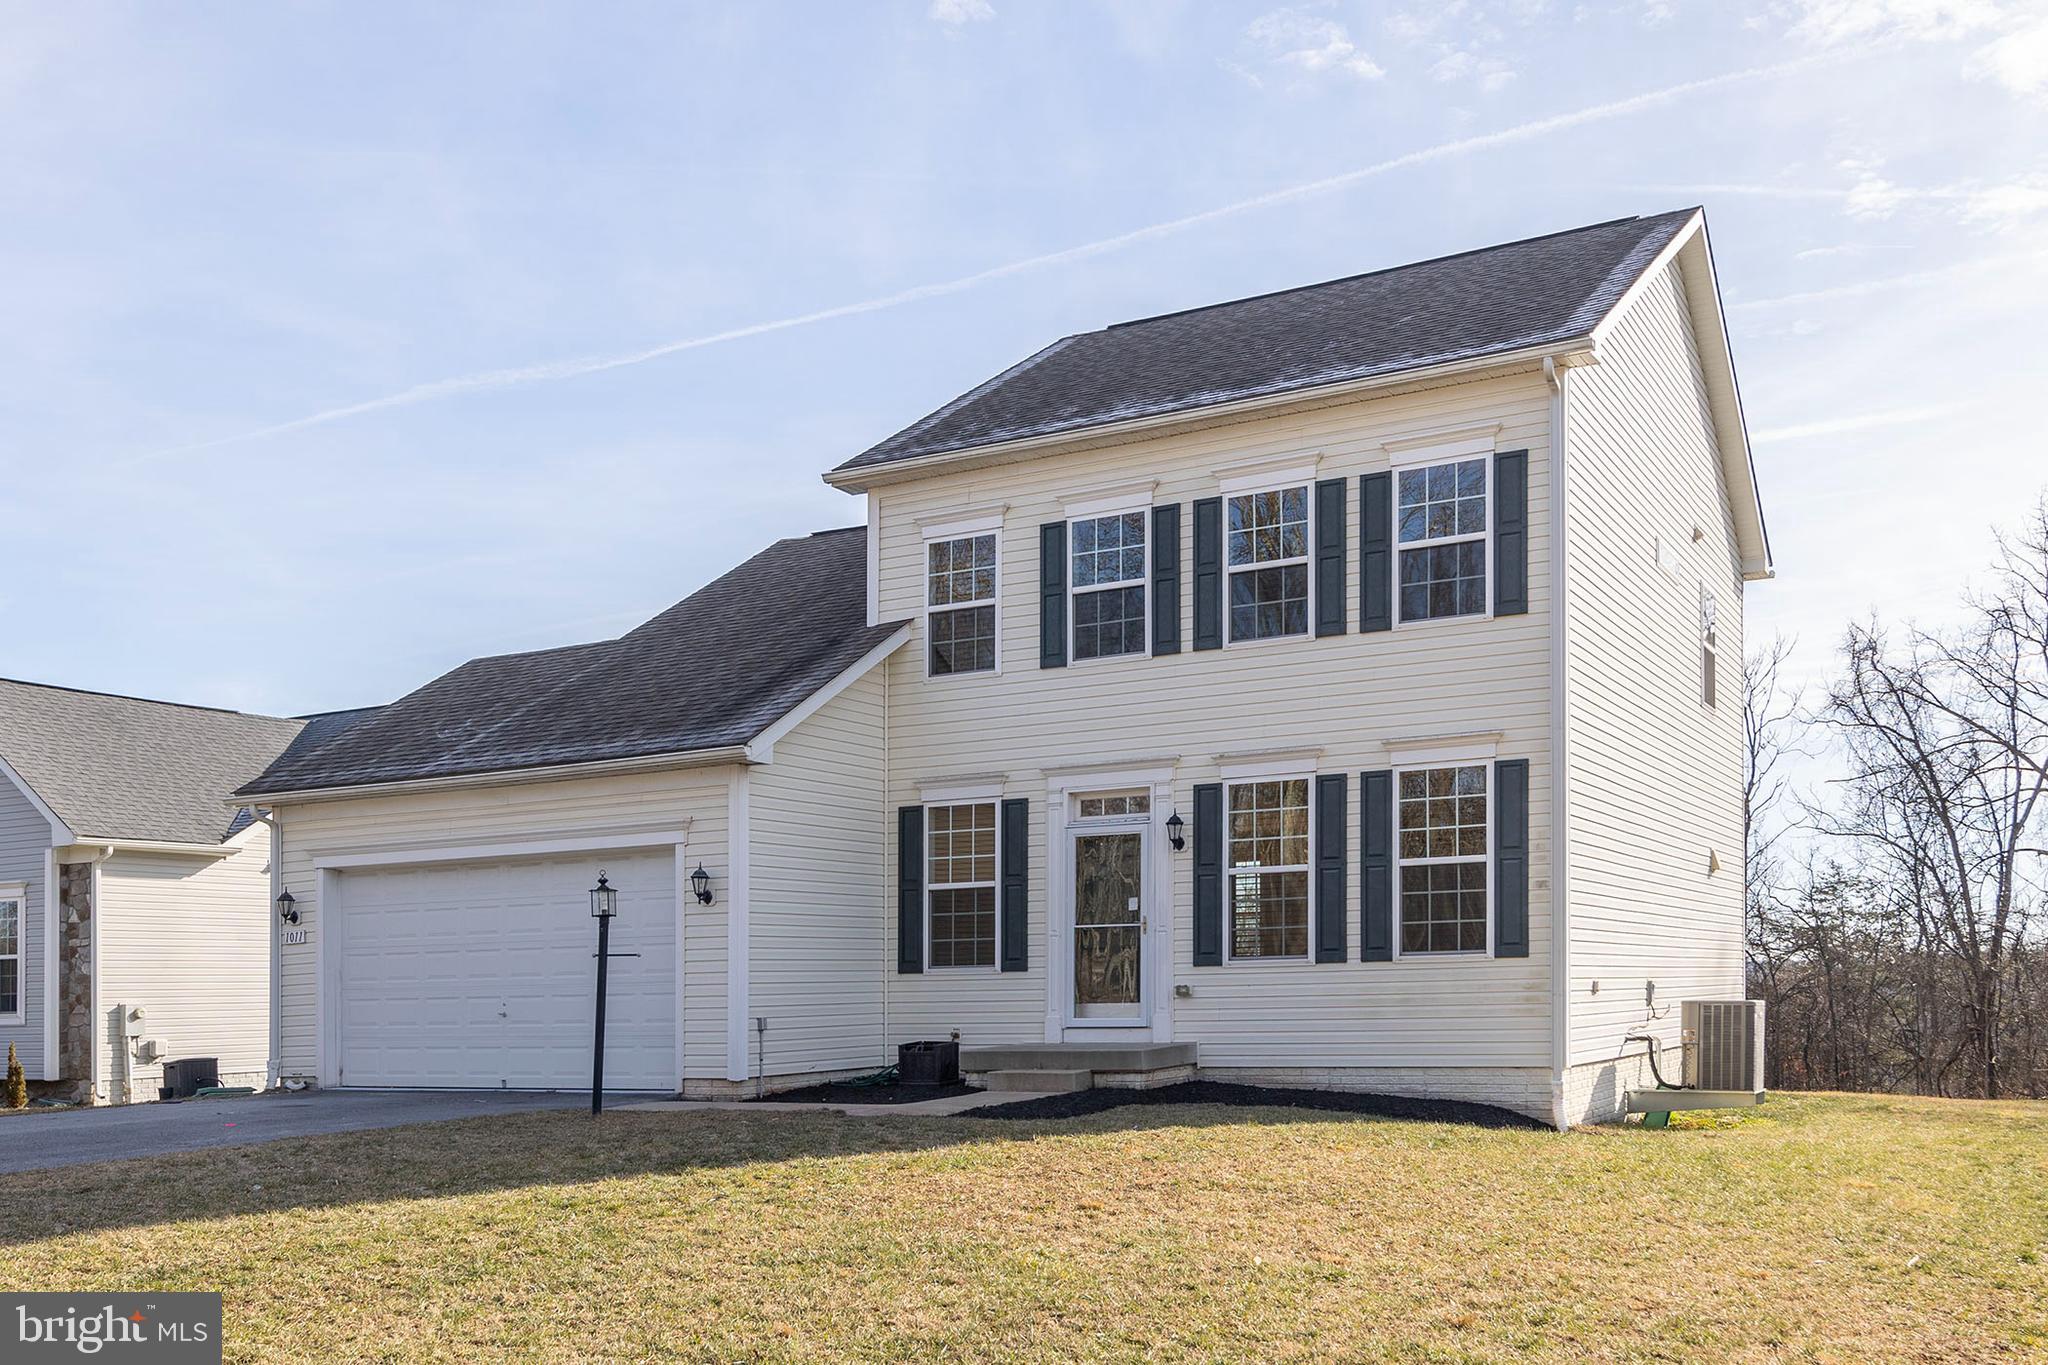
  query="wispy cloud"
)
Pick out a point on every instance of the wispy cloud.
point(1860, 288)
point(1872, 197)
point(557, 370)
point(2018, 61)
point(1310, 44)
point(958, 12)
point(1862, 421)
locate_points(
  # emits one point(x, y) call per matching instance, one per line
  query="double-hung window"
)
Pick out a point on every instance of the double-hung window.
point(10, 951)
point(1268, 872)
point(1442, 827)
point(1109, 567)
point(1440, 521)
point(961, 884)
point(1268, 561)
point(960, 604)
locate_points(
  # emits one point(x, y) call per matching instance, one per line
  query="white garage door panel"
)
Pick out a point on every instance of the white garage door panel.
point(482, 974)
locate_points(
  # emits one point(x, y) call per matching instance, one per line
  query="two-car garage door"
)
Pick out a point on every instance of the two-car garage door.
point(482, 974)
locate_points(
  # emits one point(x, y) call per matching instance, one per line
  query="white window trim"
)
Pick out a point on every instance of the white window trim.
point(1486, 860)
point(1400, 546)
point(1441, 445)
point(1443, 751)
point(1076, 797)
point(1268, 471)
point(1142, 582)
point(1230, 957)
point(995, 964)
point(18, 893)
point(1307, 560)
point(1101, 500)
point(985, 526)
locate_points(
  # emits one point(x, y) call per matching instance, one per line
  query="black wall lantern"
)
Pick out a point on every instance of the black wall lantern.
point(1176, 832)
point(288, 907)
point(700, 883)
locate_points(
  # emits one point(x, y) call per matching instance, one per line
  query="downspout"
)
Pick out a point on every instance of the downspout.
point(92, 938)
point(274, 1068)
point(1560, 756)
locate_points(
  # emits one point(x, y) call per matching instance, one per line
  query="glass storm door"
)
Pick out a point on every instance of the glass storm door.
point(1109, 925)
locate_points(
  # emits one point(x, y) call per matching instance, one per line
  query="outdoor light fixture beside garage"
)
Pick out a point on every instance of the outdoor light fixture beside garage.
point(288, 907)
point(700, 883)
point(604, 899)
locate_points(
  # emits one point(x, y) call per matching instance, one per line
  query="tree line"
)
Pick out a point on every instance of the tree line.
point(1896, 925)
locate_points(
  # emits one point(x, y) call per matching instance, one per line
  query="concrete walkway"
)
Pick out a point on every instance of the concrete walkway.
point(67, 1137)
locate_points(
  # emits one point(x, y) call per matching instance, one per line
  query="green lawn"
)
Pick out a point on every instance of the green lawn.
point(1821, 1227)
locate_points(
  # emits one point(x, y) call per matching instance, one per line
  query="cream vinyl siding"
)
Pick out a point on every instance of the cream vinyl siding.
point(1346, 694)
point(616, 804)
point(1655, 777)
point(818, 831)
point(188, 940)
point(24, 839)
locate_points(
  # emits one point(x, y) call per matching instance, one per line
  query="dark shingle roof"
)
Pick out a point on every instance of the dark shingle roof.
point(125, 768)
point(714, 670)
point(1485, 302)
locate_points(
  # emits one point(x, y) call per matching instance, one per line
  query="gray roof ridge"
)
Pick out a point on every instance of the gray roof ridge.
point(1383, 270)
point(1591, 310)
point(146, 701)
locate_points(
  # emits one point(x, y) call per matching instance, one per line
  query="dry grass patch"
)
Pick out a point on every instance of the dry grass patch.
point(1836, 1228)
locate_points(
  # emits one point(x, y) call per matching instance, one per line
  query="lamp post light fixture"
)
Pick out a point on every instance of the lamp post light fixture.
point(288, 907)
point(604, 905)
point(700, 883)
point(1176, 832)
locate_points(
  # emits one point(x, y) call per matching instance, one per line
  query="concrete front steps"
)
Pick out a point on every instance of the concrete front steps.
point(1061, 1068)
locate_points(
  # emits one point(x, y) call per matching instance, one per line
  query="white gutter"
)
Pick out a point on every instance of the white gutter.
point(173, 847)
point(1560, 755)
point(920, 466)
point(503, 777)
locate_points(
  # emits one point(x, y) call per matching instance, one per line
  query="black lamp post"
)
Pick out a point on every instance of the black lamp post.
point(604, 903)
point(1176, 832)
point(288, 907)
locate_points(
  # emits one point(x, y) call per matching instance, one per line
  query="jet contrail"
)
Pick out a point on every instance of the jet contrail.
point(575, 368)
point(1860, 288)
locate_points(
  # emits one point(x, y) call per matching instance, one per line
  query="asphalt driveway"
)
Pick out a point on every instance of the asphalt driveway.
point(68, 1137)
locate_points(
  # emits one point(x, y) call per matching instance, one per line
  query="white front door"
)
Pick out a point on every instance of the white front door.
point(483, 974)
point(1110, 921)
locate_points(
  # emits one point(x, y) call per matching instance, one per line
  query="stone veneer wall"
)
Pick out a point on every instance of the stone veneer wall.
point(74, 979)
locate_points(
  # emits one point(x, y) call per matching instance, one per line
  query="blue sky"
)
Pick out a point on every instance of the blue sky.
point(325, 354)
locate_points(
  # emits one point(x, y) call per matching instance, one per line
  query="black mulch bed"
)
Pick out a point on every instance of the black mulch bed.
point(841, 1093)
point(1219, 1092)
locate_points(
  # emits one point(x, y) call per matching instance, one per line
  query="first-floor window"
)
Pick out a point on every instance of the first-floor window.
point(960, 605)
point(10, 955)
point(961, 885)
point(1268, 873)
point(1443, 859)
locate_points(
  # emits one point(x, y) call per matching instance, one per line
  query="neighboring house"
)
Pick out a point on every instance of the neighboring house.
point(1409, 605)
point(128, 883)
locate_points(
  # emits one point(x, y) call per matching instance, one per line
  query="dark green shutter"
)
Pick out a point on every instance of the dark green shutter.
point(1376, 865)
point(1376, 552)
point(1016, 930)
point(1209, 874)
point(1511, 858)
point(1332, 530)
point(910, 888)
point(1052, 595)
point(1166, 579)
point(1332, 822)
point(1209, 573)
point(1511, 533)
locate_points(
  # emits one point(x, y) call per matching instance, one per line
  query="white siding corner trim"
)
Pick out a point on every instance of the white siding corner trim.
point(738, 886)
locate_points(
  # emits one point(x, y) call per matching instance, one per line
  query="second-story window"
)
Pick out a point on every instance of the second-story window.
point(1440, 520)
point(1109, 585)
point(960, 597)
point(1268, 554)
